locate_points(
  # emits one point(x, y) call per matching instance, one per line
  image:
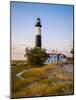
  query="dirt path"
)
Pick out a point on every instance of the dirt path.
point(20, 73)
point(68, 68)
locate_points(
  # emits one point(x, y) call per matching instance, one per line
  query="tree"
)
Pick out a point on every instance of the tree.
point(72, 51)
point(36, 56)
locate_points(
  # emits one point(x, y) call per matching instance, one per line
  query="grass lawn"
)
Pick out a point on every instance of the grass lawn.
point(47, 80)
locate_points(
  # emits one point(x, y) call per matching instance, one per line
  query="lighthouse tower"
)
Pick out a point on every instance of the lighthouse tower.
point(38, 33)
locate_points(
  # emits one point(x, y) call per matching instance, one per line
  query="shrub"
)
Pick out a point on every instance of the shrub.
point(36, 56)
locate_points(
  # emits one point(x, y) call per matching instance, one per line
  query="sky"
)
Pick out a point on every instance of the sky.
point(56, 31)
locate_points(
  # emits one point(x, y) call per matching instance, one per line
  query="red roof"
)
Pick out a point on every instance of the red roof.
point(48, 54)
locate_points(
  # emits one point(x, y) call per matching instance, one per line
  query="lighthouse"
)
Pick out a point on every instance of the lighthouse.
point(38, 33)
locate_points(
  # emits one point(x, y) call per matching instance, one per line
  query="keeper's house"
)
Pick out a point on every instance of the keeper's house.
point(53, 57)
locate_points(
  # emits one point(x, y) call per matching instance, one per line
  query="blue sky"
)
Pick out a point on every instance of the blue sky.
point(57, 26)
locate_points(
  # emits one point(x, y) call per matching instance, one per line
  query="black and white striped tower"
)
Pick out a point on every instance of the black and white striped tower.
point(38, 33)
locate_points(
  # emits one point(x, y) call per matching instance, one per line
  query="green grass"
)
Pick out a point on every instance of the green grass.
point(43, 81)
point(70, 60)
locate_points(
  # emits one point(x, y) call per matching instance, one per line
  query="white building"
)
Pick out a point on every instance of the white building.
point(53, 57)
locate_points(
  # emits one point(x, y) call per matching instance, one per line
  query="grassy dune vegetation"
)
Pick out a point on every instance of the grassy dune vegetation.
point(47, 80)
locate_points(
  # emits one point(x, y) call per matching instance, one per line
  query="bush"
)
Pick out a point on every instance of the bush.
point(36, 56)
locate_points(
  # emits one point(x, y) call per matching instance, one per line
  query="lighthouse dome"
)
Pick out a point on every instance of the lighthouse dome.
point(38, 22)
point(38, 19)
